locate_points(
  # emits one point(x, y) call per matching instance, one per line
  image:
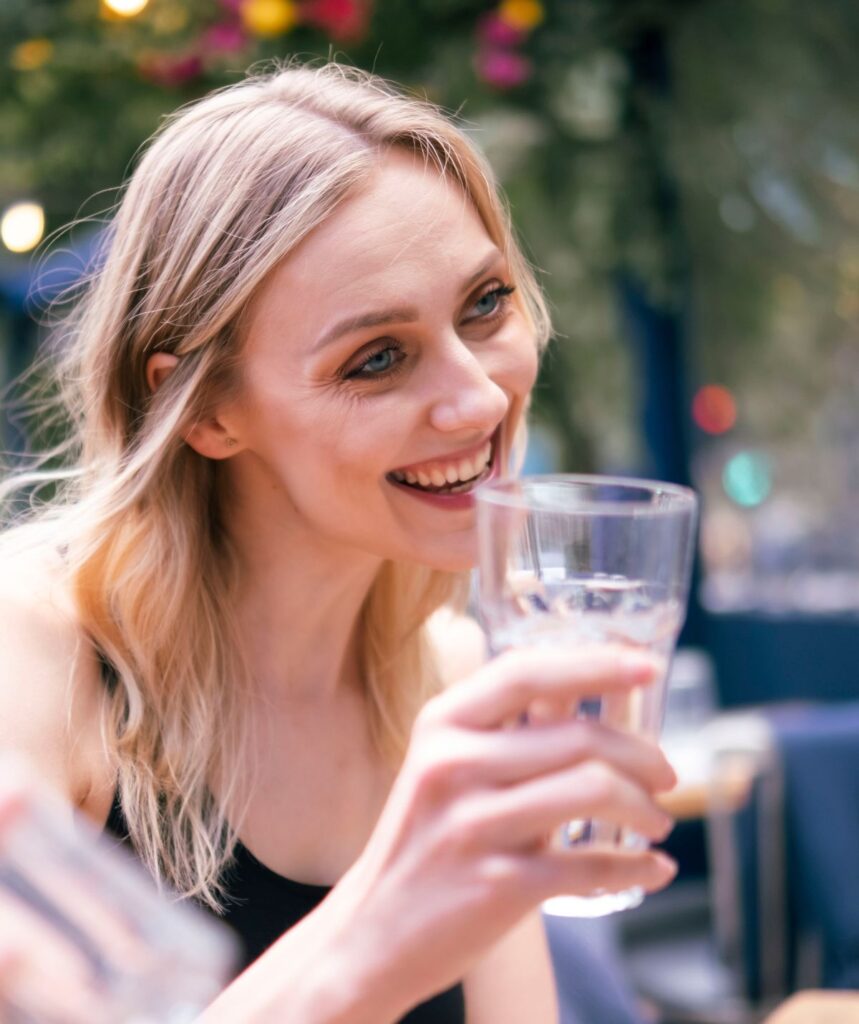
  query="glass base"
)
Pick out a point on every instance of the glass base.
point(597, 905)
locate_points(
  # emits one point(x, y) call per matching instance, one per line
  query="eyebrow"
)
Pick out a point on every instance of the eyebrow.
point(402, 315)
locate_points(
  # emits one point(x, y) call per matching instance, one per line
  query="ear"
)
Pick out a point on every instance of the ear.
point(159, 366)
point(210, 438)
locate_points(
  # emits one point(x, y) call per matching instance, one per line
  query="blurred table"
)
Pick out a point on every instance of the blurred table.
point(716, 764)
point(729, 787)
point(818, 1008)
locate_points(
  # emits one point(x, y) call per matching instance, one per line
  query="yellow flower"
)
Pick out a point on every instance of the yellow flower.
point(522, 14)
point(32, 54)
point(268, 17)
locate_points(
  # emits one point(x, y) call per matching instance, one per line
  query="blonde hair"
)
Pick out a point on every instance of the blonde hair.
point(227, 188)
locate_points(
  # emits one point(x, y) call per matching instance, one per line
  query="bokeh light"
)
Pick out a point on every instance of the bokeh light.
point(268, 18)
point(522, 14)
point(747, 478)
point(125, 8)
point(22, 226)
point(31, 54)
point(714, 409)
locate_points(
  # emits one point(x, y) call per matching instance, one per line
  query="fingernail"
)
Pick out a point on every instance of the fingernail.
point(667, 828)
point(668, 864)
point(638, 666)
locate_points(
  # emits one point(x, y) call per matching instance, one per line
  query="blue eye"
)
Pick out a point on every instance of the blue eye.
point(487, 303)
point(490, 302)
point(378, 364)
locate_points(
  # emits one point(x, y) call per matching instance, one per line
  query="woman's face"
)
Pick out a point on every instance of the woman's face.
point(385, 370)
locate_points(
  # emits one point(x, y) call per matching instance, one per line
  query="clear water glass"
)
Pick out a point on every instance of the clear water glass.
point(589, 559)
point(91, 939)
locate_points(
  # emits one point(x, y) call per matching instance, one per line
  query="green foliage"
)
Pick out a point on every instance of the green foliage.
point(707, 145)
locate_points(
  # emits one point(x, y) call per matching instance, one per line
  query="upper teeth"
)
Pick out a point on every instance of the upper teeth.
point(441, 473)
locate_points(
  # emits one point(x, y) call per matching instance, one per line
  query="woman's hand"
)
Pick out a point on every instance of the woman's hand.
point(461, 851)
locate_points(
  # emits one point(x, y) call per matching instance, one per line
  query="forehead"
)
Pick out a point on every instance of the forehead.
point(407, 230)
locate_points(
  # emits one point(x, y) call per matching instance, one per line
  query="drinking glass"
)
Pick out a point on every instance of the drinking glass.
point(588, 560)
point(91, 939)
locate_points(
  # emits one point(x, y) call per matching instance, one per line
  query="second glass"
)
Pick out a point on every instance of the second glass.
point(588, 559)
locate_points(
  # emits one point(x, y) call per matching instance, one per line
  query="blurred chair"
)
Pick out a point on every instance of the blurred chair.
point(688, 949)
point(591, 978)
point(782, 909)
point(818, 751)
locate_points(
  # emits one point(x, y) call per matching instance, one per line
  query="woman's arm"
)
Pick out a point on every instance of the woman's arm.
point(514, 981)
point(50, 692)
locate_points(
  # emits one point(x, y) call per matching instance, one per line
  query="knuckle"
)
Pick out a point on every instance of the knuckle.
point(440, 765)
point(430, 776)
point(598, 783)
point(465, 826)
point(498, 873)
point(586, 740)
point(519, 688)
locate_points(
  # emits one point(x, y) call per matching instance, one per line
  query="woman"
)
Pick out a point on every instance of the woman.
point(312, 336)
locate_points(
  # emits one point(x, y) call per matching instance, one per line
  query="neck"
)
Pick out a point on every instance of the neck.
point(298, 603)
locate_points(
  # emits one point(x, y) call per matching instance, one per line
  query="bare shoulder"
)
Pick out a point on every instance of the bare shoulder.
point(459, 643)
point(50, 691)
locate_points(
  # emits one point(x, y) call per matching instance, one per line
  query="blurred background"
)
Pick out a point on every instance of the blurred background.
point(685, 176)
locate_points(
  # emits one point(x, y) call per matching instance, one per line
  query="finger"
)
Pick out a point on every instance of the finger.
point(542, 711)
point(10, 962)
point(509, 684)
point(512, 756)
point(584, 872)
point(521, 815)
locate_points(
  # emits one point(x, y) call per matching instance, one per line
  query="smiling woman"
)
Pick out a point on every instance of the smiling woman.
point(311, 337)
point(338, 416)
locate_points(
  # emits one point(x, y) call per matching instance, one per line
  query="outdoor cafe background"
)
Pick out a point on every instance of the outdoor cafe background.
point(686, 176)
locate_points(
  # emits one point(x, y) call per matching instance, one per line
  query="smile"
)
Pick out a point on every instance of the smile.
point(456, 474)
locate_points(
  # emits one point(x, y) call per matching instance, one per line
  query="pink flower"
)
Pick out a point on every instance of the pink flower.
point(502, 69)
point(340, 19)
point(225, 37)
point(494, 31)
point(169, 70)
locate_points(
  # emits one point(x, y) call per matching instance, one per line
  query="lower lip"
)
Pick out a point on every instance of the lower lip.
point(451, 502)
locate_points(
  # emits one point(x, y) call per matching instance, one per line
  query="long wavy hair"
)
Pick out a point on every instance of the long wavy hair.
point(226, 189)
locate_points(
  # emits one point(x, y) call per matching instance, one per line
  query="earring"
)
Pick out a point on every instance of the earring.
point(230, 442)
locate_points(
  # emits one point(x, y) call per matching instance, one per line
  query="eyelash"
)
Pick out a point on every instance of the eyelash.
point(503, 293)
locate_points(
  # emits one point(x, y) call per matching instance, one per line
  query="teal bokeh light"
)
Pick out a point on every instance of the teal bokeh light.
point(747, 478)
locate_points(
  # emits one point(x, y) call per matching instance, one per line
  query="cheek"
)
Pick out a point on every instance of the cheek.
point(327, 447)
point(518, 363)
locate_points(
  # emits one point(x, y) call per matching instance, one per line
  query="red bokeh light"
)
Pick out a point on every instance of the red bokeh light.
point(714, 409)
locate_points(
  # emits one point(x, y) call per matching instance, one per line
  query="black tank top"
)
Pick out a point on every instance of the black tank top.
point(262, 905)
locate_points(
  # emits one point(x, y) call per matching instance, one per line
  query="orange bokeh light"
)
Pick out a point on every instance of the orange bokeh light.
point(714, 409)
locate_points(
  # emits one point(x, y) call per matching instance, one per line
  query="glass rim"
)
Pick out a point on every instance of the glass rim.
point(501, 493)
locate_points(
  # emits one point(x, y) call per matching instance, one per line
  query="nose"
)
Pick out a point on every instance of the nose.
point(466, 397)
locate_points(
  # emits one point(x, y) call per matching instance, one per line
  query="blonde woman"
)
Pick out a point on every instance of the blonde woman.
point(231, 633)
